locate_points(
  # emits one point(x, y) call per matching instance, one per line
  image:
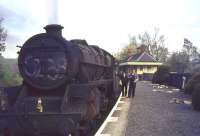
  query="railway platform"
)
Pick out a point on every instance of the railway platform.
point(155, 111)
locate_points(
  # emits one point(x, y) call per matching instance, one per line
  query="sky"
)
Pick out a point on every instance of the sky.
point(106, 23)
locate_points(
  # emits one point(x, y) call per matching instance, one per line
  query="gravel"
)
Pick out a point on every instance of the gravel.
point(153, 113)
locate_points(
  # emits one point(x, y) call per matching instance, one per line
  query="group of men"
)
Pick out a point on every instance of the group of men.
point(128, 83)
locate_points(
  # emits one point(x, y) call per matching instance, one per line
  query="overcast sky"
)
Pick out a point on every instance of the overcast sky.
point(106, 23)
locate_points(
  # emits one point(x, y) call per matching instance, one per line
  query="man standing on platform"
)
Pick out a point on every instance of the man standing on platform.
point(132, 79)
point(124, 80)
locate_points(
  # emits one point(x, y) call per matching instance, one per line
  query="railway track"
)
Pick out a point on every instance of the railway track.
point(107, 119)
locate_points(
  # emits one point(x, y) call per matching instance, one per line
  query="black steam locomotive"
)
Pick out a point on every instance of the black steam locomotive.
point(66, 86)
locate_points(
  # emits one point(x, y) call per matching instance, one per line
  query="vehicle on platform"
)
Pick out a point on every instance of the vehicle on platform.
point(66, 86)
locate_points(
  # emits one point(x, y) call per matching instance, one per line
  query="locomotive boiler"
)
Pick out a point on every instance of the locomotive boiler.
point(66, 86)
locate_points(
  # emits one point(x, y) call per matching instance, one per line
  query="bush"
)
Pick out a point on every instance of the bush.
point(9, 77)
point(162, 75)
point(189, 88)
point(196, 97)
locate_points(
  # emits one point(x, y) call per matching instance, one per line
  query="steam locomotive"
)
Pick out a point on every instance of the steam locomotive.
point(66, 86)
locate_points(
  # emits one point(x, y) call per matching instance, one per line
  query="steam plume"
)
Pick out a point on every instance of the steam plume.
point(52, 11)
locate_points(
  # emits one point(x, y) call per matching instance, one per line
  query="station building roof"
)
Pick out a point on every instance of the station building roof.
point(141, 59)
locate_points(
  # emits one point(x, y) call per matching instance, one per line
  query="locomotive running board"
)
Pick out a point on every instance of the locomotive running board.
point(95, 83)
point(38, 114)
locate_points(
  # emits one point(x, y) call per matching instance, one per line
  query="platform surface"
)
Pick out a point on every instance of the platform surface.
point(155, 111)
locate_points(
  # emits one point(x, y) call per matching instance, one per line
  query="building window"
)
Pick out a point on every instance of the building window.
point(141, 68)
point(149, 67)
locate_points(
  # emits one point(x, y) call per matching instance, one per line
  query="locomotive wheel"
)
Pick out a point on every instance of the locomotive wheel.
point(66, 128)
point(87, 127)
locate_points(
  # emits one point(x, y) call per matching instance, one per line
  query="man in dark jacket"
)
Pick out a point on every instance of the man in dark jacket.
point(124, 82)
point(132, 79)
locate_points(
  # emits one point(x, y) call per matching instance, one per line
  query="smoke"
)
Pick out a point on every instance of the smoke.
point(52, 10)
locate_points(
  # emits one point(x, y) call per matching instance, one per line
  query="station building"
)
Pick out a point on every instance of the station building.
point(141, 63)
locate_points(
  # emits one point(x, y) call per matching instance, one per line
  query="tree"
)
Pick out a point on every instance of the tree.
point(3, 36)
point(187, 60)
point(178, 62)
point(10, 77)
point(190, 50)
point(155, 45)
point(128, 50)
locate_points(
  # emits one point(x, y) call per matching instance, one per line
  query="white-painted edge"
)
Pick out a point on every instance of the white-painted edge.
point(105, 134)
point(121, 102)
point(118, 109)
point(113, 119)
point(98, 133)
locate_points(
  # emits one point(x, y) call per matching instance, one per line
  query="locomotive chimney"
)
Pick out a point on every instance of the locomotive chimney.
point(54, 29)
